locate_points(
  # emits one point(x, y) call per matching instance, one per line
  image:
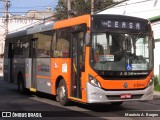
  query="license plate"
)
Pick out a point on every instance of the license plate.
point(126, 96)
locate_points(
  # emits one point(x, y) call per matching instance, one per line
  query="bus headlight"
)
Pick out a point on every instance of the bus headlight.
point(150, 82)
point(94, 82)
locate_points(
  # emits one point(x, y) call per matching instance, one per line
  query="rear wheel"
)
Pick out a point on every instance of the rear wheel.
point(116, 103)
point(21, 87)
point(62, 93)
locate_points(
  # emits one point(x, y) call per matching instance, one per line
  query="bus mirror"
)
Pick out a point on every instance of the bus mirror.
point(87, 38)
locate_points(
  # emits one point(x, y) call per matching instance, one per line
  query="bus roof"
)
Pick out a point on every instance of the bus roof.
point(34, 29)
point(73, 21)
point(52, 25)
point(65, 23)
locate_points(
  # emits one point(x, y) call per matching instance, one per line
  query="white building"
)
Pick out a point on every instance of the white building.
point(148, 9)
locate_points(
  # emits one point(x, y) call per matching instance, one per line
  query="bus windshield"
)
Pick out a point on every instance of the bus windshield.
point(121, 52)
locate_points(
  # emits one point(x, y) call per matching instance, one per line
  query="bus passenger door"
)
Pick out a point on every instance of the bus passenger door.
point(77, 63)
point(33, 51)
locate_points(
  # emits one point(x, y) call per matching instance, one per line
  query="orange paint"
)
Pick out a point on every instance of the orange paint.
point(43, 77)
point(56, 67)
point(73, 21)
point(56, 71)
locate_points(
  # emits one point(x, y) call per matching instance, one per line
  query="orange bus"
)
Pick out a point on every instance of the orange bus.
point(88, 59)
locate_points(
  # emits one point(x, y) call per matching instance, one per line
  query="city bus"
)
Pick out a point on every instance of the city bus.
point(88, 59)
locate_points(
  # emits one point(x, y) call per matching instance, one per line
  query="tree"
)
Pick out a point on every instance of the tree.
point(79, 7)
point(61, 10)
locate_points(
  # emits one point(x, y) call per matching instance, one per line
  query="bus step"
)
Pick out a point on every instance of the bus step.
point(32, 89)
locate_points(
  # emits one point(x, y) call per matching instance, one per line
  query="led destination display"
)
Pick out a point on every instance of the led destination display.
point(120, 24)
point(109, 23)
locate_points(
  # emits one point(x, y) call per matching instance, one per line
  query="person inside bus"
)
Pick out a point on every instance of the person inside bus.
point(117, 47)
point(45, 53)
point(98, 52)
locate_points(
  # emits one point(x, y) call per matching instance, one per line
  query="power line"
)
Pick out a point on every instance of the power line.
point(32, 7)
point(124, 4)
point(132, 3)
point(35, 11)
point(50, 4)
point(29, 7)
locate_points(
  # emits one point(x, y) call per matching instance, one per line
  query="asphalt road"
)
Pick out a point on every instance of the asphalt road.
point(47, 107)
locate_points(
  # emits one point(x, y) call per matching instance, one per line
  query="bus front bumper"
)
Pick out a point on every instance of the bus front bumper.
point(98, 95)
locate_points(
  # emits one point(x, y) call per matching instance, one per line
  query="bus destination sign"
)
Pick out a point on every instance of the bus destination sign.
point(120, 24)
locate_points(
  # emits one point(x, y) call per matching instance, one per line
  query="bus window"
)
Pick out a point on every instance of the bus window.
point(18, 51)
point(44, 42)
point(62, 45)
point(62, 48)
point(25, 48)
point(53, 43)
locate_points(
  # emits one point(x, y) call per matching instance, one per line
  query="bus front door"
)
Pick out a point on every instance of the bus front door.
point(76, 63)
point(33, 64)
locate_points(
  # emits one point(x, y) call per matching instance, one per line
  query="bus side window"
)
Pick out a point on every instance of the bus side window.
point(62, 48)
point(44, 44)
point(53, 44)
point(63, 43)
point(25, 49)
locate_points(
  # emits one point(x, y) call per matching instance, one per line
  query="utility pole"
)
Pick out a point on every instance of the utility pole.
point(69, 8)
point(92, 7)
point(6, 16)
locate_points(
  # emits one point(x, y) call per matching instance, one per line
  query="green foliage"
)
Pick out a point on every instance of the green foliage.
point(79, 7)
point(156, 84)
point(155, 80)
point(61, 10)
point(101, 4)
point(157, 88)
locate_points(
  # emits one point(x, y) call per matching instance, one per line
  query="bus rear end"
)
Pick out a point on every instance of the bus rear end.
point(120, 66)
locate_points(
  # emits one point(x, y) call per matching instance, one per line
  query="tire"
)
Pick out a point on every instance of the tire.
point(57, 96)
point(116, 103)
point(21, 88)
point(62, 93)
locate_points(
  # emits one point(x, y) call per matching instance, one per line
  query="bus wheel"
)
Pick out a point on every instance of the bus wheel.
point(21, 87)
point(116, 103)
point(62, 93)
point(57, 96)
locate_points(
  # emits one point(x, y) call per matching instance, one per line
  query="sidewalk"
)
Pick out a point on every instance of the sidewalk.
point(157, 93)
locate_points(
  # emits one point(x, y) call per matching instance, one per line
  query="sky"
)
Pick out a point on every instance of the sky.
point(23, 6)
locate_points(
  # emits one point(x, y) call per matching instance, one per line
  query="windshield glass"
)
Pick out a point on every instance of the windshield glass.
point(121, 52)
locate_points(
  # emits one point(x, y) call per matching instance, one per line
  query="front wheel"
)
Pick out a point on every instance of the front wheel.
point(62, 93)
